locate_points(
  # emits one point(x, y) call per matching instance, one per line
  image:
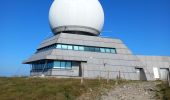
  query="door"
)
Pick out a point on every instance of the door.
point(141, 74)
point(164, 73)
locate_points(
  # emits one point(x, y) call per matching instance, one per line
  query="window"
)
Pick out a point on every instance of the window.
point(107, 50)
point(63, 65)
point(58, 46)
point(56, 64)
point(97, 49)
point(64, 46)
point(76, 48)
point(113, 51)
point(53, 46)
point(70, 47)
point(86, 48)
point(68, 65)
point(102, 50)
point(49, 65)
point(91, 49)
point(81, 48)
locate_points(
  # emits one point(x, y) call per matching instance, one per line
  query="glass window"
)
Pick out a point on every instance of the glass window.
point(58, 46)
point(42, 66)
point(102, 50)
point(38, 66)
point(64, 46)
point(51, 64)
point(70, 47)
point(107, 50)
point(113, 50)
point(63, 64)
point(68, 65)
point(54, 45)
point(86, 48)
point(97, 49)
point(81, 48)
point(76, 48)
point(56, 64)
point(91, 49)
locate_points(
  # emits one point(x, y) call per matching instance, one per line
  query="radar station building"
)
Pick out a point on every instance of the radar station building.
point(77, 50)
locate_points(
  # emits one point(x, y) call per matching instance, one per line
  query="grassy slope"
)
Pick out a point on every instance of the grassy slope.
point(59, 89)
point(46, 88)
point(164, 91)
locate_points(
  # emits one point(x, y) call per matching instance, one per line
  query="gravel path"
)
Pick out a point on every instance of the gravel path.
point(132, 91)
point(126, 91)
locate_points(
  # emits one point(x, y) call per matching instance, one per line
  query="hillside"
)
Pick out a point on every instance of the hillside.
point(46, 88)
point(71, 89)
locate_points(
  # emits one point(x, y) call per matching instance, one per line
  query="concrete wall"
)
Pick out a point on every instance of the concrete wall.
point(154, 62)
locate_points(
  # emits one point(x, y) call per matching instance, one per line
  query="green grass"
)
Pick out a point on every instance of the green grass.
point(164, 91)
point(48, 88)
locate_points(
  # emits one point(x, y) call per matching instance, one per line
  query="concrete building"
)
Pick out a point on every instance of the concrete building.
point(77, 50)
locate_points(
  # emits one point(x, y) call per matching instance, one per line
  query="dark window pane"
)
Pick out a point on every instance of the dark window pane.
point(91, 49)
point(97, 49)
point(86, 48)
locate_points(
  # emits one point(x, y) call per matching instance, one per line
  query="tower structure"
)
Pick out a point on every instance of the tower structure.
point(77, 50)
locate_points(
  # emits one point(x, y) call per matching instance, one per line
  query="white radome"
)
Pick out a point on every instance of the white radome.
point(76, 15)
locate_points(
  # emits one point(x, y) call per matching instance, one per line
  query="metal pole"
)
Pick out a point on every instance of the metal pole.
point(108, 76)
point(82, 77)
point(99, 74)
point(119, 75)
point(169, 78)
point(44, 67)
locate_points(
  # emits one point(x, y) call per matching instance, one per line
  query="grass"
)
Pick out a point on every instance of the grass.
point(164, 91)
point(48, 88)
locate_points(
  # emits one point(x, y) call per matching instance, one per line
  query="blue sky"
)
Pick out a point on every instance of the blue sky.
point(144, 26)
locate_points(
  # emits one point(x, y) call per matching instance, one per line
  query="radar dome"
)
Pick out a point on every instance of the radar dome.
point(84, 16)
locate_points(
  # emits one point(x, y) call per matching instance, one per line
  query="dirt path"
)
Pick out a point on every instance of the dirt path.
point(132, 91)
point(125, 91)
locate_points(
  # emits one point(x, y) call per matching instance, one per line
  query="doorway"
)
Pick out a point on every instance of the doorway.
point(141, 74)
point(164, 72)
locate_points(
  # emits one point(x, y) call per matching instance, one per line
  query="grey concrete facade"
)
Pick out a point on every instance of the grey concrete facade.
point(158, 62)
point(123, 64)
